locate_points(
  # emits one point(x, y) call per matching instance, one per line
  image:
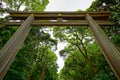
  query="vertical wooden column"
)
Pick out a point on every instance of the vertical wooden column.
point(10, 49)
point(110, 52)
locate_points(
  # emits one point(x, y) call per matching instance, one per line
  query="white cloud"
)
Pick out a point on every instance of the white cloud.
point(68, 5)
point(60, 61)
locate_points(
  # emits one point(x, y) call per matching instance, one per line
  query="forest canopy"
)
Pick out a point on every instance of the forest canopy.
point(83, 59)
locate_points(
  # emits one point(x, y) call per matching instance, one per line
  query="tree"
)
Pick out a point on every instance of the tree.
point(84, 59)
point(33, 56)
point(35, 60)
point(30, 5)
point(89, 64)
point(113, 7)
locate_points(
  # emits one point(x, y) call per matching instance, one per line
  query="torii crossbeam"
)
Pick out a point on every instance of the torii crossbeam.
point(60, 18)
point(27, 19)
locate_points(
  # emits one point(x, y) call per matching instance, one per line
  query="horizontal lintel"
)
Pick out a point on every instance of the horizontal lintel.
point(55, 15)
point(83, 23)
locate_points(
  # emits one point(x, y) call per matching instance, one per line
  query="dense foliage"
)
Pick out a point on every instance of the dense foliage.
point(35, 60)
point(30, 5)
point(113, 6)
point(82, 55)
point(84, 60)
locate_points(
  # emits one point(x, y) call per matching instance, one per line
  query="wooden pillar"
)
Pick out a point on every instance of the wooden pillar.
point(110, 52)
point(10, 49)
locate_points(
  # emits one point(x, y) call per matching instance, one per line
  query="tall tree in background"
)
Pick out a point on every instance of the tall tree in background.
point(113, 6)
point(83, 58)
point(30, 5)
point(35, 60)
point(76, 67)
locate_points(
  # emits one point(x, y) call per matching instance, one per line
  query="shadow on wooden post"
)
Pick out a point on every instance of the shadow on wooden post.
point(10, 49)
point(110, 52)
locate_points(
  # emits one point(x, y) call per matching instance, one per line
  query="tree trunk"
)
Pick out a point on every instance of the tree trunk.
point(43, 72)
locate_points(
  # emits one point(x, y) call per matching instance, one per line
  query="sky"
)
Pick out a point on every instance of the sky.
point(66, 5)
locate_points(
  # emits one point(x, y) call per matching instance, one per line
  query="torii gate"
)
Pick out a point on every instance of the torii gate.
point(92, 19)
